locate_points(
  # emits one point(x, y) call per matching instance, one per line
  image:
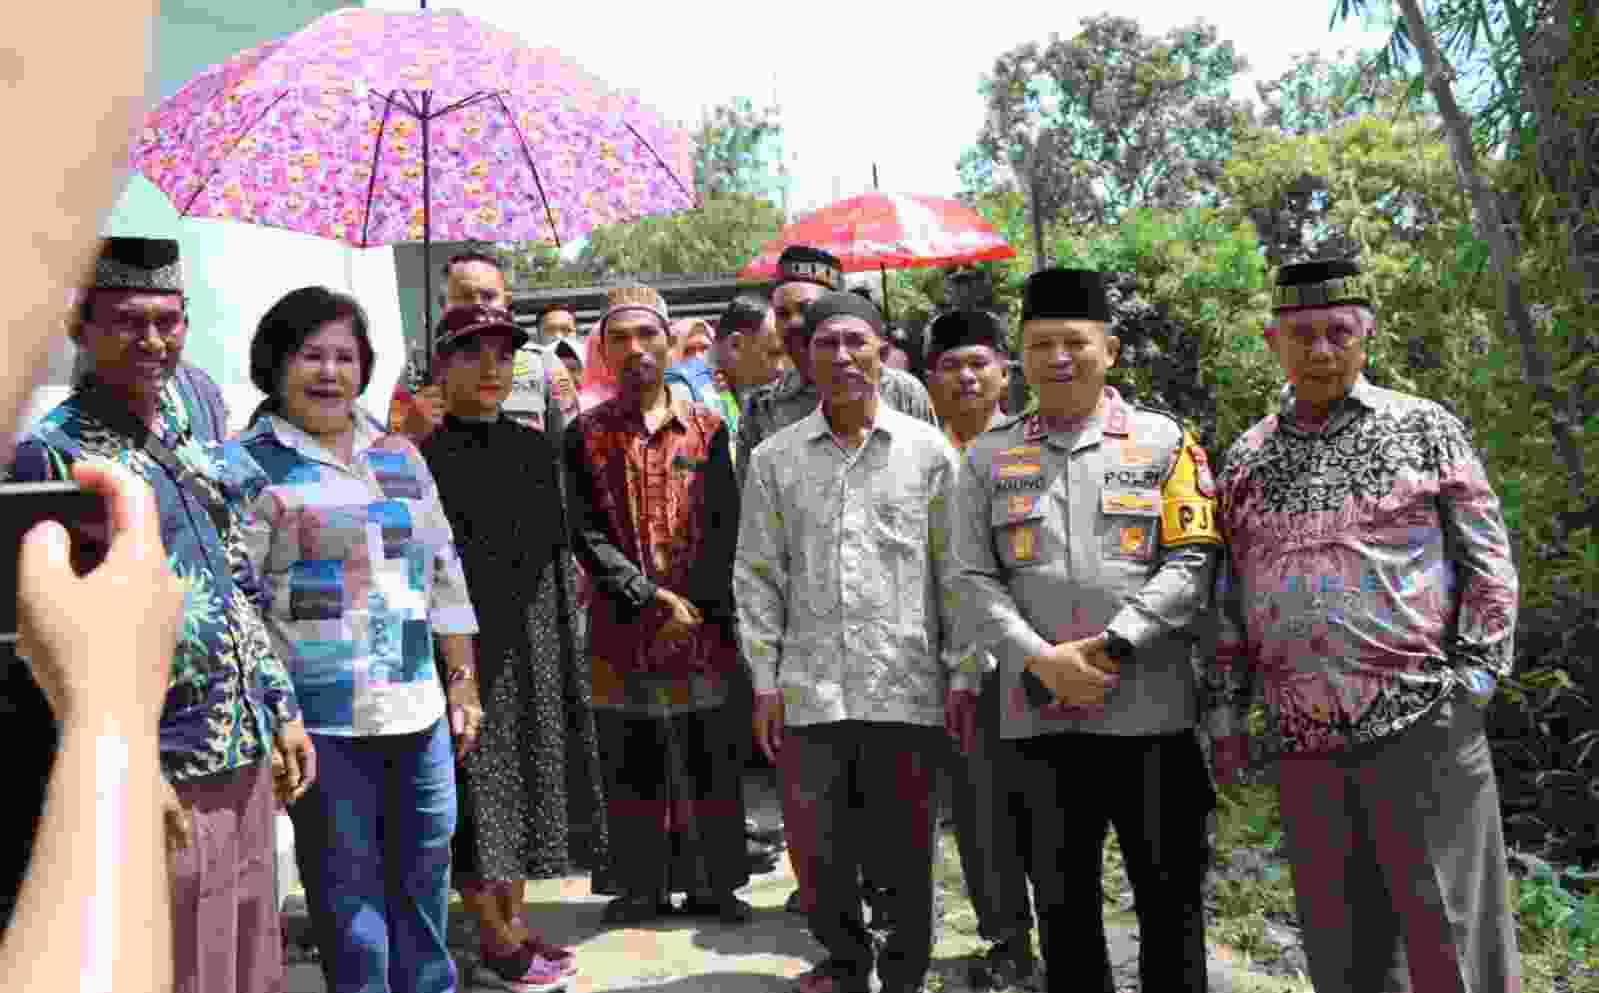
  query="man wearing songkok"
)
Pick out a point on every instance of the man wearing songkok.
point(968, 375)
point(654, 507)
point(841, 562)
point(804, 275)
point(1371, 597)
point(230, 704)
point(1085, 546)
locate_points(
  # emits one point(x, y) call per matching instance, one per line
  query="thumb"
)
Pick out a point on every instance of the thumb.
point(42, 561)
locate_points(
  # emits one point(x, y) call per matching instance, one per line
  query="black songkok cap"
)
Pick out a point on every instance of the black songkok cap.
point(743, 313)
point(1325, 283)
point(148, 264)
point(804, 264)
point(960, 328)
point(837, 304)
point(1065, 294)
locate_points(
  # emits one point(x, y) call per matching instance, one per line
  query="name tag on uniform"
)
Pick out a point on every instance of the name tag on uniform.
point(1019, 469)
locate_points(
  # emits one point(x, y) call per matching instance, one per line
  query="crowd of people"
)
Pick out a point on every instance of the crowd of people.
point(534, 623)
point(870, 578)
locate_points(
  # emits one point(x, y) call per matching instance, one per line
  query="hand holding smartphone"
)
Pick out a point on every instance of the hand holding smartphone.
point(23, 505)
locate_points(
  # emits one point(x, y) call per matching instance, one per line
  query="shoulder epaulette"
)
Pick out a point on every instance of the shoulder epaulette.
point(1009, 421)
point(1165, 412)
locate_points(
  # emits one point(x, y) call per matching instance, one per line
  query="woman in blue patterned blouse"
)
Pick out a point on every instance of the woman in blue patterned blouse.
point(360, 563)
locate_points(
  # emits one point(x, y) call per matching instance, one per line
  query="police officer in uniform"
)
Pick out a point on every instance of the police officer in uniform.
point(1084, 538)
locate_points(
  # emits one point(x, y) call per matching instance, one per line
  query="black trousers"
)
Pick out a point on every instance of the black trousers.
point(1156, 792)
point(872, 785)
point(990, 828)
point(674, 795)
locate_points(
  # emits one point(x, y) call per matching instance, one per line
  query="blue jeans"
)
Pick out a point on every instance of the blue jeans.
point(372, 839)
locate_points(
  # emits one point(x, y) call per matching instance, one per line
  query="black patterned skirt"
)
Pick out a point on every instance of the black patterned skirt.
point(530, 801)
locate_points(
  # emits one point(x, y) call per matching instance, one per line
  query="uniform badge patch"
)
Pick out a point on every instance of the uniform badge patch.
point(1021, 505)
point(1114, 502)
point(1136, 454)
point(1018, 470)
point(1132, 539)
point(1024, 543)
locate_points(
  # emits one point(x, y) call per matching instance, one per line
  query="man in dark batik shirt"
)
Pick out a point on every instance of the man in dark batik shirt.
point(654, 507)
point(1370, 600)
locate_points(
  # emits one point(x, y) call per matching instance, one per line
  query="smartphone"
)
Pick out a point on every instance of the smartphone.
point(22, 505)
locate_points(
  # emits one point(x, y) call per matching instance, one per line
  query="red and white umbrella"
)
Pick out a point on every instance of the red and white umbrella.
point(889, 231)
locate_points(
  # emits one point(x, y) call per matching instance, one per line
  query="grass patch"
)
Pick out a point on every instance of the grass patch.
point(1557, 952)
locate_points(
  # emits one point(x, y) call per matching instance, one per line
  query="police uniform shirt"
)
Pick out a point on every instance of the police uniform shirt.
point(1057, 537)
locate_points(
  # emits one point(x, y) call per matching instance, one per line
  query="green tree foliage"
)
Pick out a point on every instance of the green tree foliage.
point(1110, 119)
point(719, 236)
point(1487, 44)
point(736, 149)
point(1190, 293)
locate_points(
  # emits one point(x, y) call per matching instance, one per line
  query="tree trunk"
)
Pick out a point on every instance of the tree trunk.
point(1491, 220)
point(1040, 261)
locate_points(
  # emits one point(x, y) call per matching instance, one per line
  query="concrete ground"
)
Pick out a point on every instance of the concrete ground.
point(680, 955)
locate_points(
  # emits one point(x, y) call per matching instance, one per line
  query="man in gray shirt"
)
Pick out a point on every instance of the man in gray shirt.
point(805, 274)
point(839, 577)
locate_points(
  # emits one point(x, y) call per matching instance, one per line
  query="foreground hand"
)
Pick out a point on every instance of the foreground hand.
point(685, 617)
point(425, 413)
point(293, 762)
point(128, 608)
point(179, 822)
point(1094, 654)
point(1068, 675)
point(466, 715)
point(1228, 757)
point(960, 718)
point(769, 723)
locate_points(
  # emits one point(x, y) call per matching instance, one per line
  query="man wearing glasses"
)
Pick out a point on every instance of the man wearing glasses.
point(1371, 595)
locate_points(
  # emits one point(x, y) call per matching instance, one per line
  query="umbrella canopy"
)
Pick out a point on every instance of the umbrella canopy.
point(374, 127)
point(889, 231)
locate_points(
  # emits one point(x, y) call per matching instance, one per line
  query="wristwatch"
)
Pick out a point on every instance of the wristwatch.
point(1118, 648)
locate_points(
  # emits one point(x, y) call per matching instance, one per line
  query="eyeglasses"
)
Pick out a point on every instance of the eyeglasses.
point(132, 326)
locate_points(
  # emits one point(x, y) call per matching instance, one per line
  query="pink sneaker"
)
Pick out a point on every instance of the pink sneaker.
point(562, 958)
point(521, 972)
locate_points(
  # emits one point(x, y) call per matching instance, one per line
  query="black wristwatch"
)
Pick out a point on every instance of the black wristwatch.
point(1118, 648)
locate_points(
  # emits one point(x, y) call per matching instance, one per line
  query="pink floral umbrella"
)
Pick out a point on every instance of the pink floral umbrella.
point(374, 127)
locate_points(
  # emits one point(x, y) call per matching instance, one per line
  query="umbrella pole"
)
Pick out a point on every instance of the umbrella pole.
point(427, 237)
point(881, 268)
